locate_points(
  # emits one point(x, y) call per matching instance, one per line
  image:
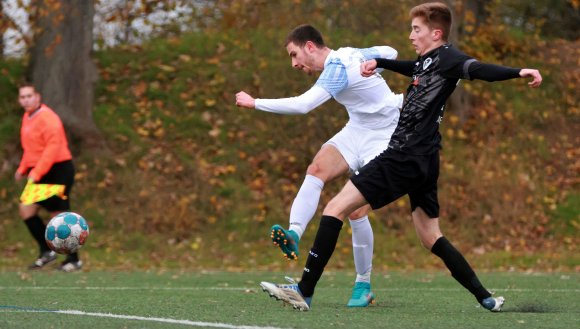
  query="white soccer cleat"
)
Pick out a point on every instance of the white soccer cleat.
point(288, 293)
point(493, 304)
point(71, 266)
point(44, 258)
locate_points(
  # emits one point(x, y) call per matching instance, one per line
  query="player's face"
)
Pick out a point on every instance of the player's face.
point(422, 37)
point(29, 99)
point(301, 57)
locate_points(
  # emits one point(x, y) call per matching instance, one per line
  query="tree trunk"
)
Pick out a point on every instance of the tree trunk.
point(61, 67)
point(2, 29)
point(460, 101)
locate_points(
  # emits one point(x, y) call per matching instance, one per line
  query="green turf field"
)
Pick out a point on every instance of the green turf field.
point(49, 299)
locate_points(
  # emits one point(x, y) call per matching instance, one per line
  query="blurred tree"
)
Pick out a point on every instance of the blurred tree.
point(3, 27)
point(134, 21)
point(468, 15)
point(61, 66)
point(360, 16)
point(7, 22)
point(551, 18)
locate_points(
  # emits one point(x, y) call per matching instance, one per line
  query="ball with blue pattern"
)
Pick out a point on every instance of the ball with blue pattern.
point(66, 232)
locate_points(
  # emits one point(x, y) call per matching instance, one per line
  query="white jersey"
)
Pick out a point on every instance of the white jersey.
point(370, 103)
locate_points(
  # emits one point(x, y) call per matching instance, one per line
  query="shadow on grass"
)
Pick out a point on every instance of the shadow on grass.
point(531, 308)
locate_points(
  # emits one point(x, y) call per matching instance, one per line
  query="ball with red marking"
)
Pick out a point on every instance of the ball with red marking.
point(66, 232)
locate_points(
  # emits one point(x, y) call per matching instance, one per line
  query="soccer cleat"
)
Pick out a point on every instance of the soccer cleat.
point(287, 240)
point(493, 304)
point(362, 295)
point(287, 293)
point(44, 258)
point(71, 266)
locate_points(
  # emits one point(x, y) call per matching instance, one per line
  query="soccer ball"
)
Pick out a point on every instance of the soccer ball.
point(66, 232)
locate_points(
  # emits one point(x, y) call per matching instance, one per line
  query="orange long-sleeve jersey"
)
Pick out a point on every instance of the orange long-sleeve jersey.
point(44, 142)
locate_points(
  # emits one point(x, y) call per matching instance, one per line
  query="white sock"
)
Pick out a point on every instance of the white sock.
point(362, 248)
point(305, 204)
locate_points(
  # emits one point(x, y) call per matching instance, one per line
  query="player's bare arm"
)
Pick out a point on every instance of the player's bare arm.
point(245, 100)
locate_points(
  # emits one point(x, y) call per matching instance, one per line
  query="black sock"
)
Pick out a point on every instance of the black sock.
point(321, 251)
point(37, 228)
point(74, 257)
point(459, 268)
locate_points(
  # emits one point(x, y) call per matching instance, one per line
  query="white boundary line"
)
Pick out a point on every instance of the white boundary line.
point(133, 317)
point(249, 289)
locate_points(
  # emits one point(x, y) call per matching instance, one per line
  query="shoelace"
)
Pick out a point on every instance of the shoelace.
point(290, 280)
point(292, 284)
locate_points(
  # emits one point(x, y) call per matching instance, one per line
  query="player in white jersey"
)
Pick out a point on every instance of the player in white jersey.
point(373, 111)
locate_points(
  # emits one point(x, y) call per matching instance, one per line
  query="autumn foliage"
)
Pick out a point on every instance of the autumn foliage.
point(193, 179)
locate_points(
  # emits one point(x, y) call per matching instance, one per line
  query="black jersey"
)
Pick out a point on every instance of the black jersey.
point(435, 76)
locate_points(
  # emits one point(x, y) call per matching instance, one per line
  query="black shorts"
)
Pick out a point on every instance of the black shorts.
point(60, 173)
point(392, 174)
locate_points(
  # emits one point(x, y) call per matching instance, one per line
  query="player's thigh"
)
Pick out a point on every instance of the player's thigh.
point(348, 143)
point(328, 164)
point(27, 210)
point(425, 194)
point(55, 205)
point(345, 202)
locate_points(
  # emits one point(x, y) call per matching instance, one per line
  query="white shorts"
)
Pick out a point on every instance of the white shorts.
point(358, 145)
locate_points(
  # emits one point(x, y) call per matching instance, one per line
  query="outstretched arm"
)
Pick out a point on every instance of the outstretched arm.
point(492, 72)
point(302, 104)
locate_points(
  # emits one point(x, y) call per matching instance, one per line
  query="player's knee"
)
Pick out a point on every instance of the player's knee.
point(428, 240)
point(359, 213)
point(316, 170)
point(313, 169)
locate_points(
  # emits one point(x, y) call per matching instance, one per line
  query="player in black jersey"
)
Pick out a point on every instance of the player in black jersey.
point(410, 165)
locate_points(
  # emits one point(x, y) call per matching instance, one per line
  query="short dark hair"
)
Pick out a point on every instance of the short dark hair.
point(303, 33)
point(26, 85)
point(436, 15)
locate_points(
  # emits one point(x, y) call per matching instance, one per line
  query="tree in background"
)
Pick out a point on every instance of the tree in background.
point(556, 18)
point(467, 15)
point(2, 28)
point(11, 31)
point(134, 21)
point(59, 37)
point(60, 58)
point(61, 66)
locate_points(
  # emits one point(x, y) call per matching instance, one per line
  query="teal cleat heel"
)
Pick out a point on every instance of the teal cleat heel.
point(286, 240)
